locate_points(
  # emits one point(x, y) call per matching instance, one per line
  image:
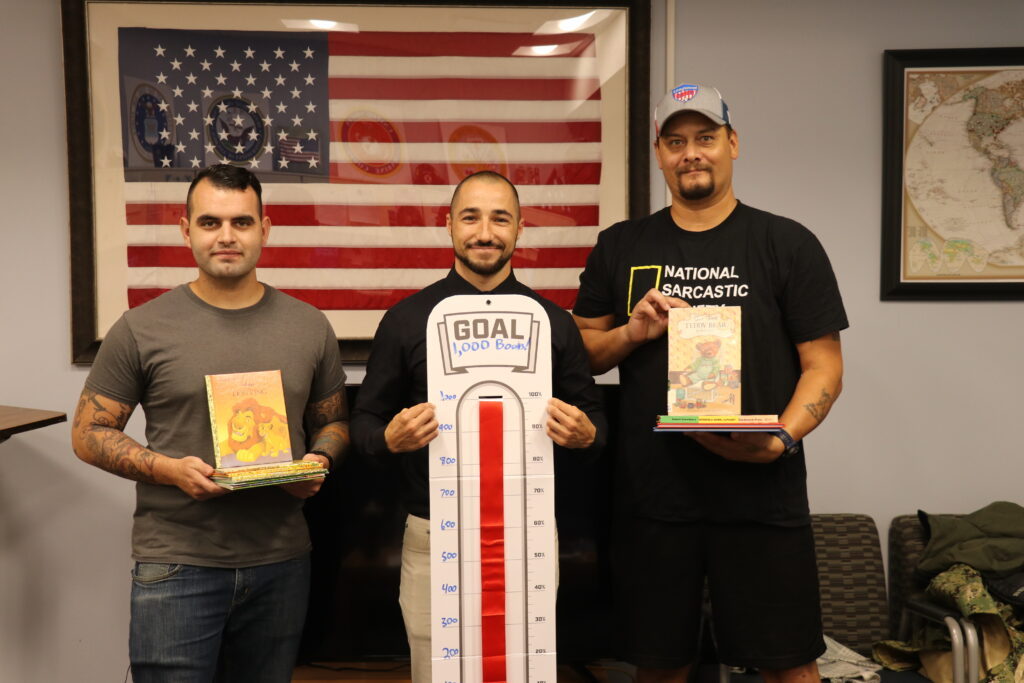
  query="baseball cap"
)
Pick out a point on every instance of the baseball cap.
point(703, 99)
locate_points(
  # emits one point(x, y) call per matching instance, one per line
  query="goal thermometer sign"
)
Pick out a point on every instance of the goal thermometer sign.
point(492, 540)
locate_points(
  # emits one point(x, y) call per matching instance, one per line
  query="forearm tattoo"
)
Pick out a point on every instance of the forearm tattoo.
point(332, 439)
point(327, 421)
point(819, 409)
point(101, 428)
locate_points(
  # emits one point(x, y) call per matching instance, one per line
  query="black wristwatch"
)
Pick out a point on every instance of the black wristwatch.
point(330, 460)
point(792, 446)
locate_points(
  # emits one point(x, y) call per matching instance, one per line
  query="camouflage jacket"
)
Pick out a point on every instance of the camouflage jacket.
point(961, 588)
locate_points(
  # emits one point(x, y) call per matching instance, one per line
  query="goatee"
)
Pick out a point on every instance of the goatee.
point(696, 192)
point(484, 268)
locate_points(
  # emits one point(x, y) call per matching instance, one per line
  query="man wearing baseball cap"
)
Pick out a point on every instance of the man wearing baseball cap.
point(728, 508)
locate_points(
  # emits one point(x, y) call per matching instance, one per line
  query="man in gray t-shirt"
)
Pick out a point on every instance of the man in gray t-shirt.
point(221, 578)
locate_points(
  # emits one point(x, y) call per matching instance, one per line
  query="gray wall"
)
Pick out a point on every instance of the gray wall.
point(927, 418)
point(63, 526)
point(930, 401)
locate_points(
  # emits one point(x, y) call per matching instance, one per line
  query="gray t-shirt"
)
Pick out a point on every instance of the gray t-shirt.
point(157, 355)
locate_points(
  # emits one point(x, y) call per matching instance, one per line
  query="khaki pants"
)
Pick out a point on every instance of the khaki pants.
point(414, 594)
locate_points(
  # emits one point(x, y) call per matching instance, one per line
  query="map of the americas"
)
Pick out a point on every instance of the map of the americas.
point(964, 203)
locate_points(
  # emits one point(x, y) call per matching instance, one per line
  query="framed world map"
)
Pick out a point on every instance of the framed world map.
point(953, 175)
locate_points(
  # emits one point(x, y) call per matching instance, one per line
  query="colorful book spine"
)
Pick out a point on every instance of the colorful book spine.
point(718, 419)
point(298, 468)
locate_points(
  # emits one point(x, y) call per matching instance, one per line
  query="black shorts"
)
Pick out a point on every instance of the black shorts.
point(763, 583)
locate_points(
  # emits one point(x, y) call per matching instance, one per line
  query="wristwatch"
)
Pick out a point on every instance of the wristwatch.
point(791, 445)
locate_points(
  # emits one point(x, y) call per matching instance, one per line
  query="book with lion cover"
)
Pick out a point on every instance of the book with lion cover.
point(249, 422)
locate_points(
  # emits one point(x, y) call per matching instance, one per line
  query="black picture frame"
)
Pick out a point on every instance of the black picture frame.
point(85, 336)
point(895, 285)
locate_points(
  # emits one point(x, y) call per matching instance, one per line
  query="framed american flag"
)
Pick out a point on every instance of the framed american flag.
point(359, 120)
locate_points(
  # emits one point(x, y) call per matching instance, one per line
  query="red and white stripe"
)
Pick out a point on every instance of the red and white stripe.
point(457, 102)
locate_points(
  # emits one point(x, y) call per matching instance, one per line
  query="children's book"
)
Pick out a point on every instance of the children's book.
point(249, 422)
point(704, 361)
point(704, 373)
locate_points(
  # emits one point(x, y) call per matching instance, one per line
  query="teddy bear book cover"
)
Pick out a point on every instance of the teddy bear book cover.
point(704, 361)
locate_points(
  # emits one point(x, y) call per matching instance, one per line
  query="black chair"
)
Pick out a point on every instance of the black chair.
point(851, 575)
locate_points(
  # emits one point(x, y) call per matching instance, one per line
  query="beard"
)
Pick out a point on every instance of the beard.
point(484, 268)
point(695, 192)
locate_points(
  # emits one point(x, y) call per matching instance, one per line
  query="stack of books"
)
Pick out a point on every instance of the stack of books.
point(718, 423)
point(251, 443)
point(704, 374)
point(235, 478)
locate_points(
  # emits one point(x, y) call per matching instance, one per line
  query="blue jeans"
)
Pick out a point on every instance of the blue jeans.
point(201, 624)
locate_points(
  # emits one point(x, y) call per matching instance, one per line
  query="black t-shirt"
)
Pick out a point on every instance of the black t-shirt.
point(777, 271)
point(396, 378)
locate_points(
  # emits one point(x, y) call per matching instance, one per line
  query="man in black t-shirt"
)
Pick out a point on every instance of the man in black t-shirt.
point(731, 509)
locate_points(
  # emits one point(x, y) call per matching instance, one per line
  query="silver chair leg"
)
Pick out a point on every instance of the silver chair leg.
point(973, 650)
point(956, 638)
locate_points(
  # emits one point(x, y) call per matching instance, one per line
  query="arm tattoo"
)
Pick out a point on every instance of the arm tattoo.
point(331, 409)
point(820, 409)
point(104, 417)
point(105, 443)
point(327, 422)
point(332, 439)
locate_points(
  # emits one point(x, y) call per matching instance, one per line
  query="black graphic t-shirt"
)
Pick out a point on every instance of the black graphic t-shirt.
point(778, 272)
